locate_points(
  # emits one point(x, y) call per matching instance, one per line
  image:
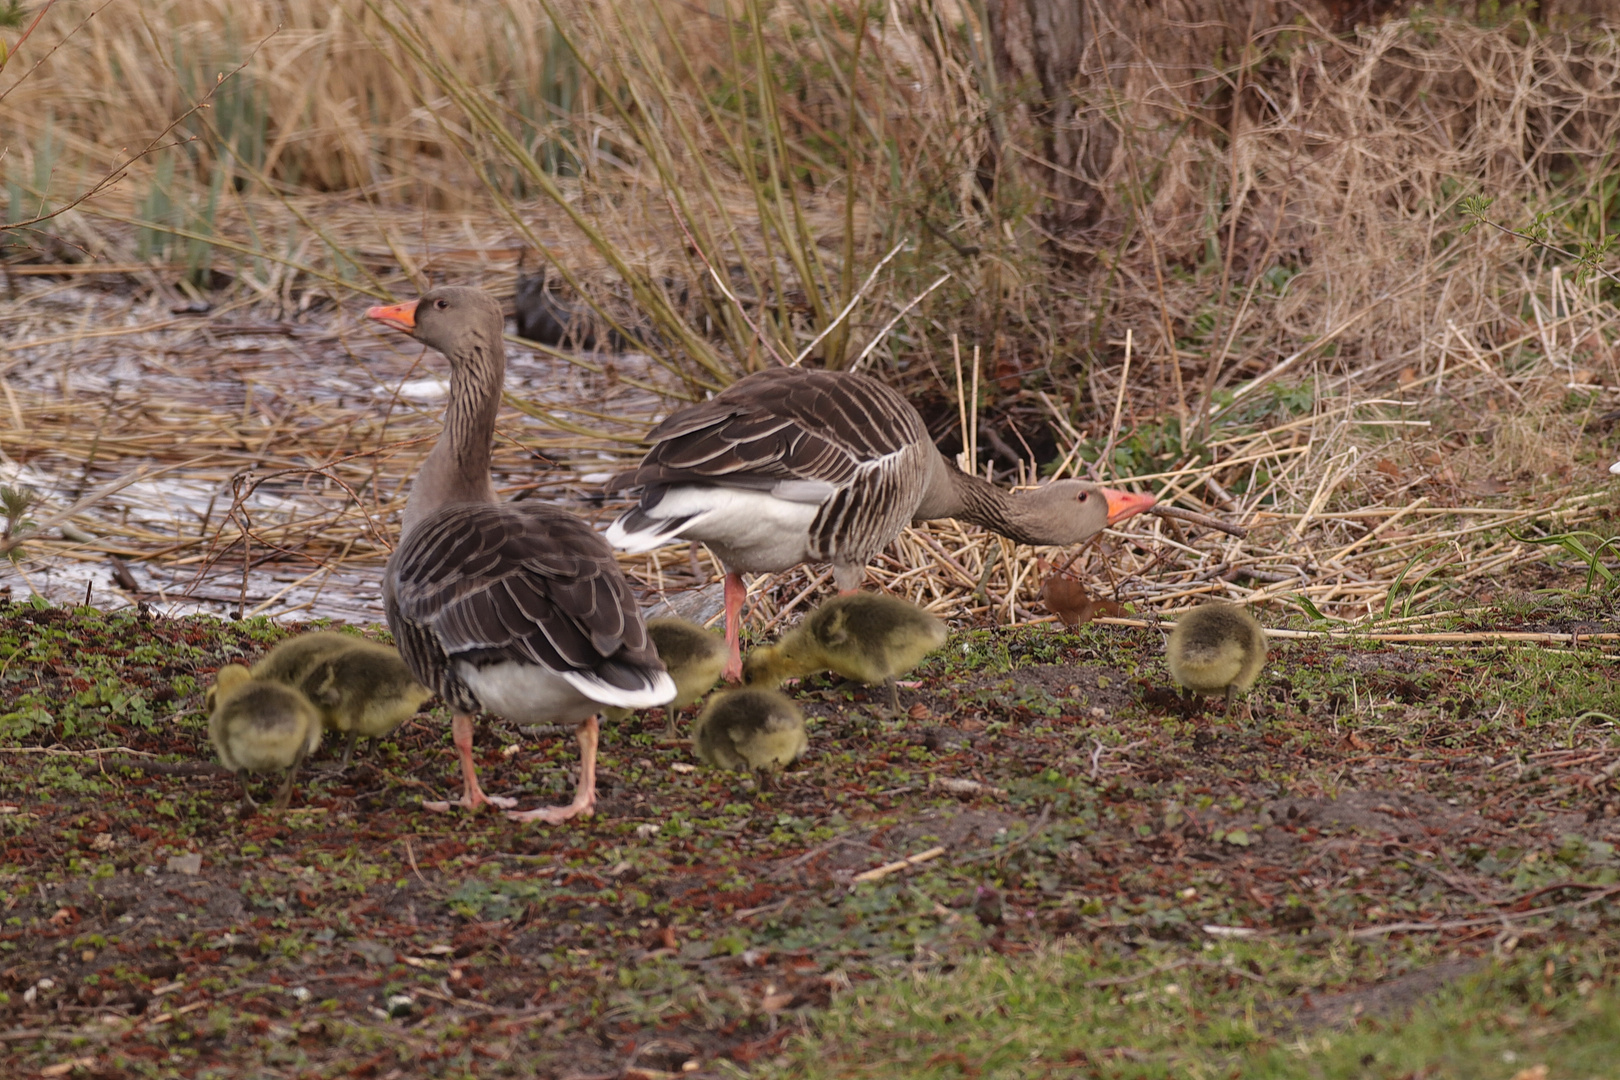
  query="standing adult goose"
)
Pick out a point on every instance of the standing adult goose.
point(795, 465)
point(514, 608)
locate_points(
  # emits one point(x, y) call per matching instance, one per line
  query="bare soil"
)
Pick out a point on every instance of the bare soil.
point(149, 925)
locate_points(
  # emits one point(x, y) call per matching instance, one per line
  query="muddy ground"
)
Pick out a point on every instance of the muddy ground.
point(1376, 797)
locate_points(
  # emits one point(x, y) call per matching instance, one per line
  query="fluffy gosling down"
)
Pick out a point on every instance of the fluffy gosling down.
point(1216, 648)
point(867, 637)
point(360, 688)
point(693, 657)
point(260, 726)
point(749, 728)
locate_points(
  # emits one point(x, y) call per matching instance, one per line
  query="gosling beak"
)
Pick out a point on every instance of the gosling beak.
point(1124, 504)
point(403, 316)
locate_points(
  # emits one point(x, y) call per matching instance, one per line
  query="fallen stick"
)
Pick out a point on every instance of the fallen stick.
point(895, 867)
point(1200, 519)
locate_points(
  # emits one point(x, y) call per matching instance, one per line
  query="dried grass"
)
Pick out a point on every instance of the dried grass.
point(1377, 395)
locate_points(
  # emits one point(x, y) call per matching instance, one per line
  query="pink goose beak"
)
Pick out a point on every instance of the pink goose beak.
point(1124, 504)
point(403, 316)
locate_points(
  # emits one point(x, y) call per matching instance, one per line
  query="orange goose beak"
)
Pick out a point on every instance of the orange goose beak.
point(403, 316)
point(1124, 504)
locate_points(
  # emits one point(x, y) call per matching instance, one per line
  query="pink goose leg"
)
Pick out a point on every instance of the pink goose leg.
point(584, 792)
point(736, 596)
point(472, 796)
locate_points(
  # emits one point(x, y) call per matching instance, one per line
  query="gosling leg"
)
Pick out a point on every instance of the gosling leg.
point(348, 750)
point(285, 795)
point(247, 796)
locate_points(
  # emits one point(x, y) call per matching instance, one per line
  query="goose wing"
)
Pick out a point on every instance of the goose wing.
point(798, 434)
point(488, 584)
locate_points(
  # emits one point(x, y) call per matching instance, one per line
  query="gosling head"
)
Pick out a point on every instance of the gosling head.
point(227, 679)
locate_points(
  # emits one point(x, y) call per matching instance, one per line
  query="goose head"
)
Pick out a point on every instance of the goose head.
point(1068, 511)
point(451, 319)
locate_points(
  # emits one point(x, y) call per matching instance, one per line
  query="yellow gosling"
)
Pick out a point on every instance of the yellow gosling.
point(360, 687)
point(259, 726)
point(867, 637)
point(693, 657)
point(1217, 648)
point(755, 729)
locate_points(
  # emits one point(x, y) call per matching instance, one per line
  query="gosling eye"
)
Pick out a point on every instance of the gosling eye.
point(441, 303)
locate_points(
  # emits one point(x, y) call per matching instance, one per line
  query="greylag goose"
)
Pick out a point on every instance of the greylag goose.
point(796, 465)
point(692, 656)
point(868, 637)
point(259, 726)
point(359, 687)
point(1217, 648)
point(514, 608)
point(749, 728)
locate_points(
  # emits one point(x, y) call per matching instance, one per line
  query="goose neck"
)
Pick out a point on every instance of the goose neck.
point(456, 470)
point(956, 494)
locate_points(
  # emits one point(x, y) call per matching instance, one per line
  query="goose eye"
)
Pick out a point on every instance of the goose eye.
point(441, 303)
point(1084, 495)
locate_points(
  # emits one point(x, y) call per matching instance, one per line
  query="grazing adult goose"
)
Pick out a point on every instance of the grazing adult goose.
point(359, 687)
point(795, 465)
point(749, 728)
point(1217, 648)
point(260, 726)
point(514, 608)
point(692, 656)
point(868, 637)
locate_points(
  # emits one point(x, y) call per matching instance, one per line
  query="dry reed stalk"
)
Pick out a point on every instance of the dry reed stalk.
point(1388, 386)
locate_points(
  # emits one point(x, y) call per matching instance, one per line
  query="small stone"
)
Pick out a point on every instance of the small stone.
point(185, 864)
point(374, 951)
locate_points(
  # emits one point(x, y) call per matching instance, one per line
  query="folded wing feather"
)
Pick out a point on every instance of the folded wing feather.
point(494, 584)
